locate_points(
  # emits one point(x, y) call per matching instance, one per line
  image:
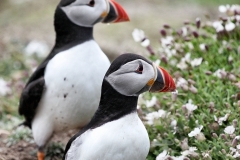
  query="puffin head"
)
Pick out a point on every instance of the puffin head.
point(132, 74)
point(86, 13)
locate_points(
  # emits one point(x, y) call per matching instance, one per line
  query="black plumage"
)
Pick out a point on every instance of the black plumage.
point(68, 35)
point(113, 105)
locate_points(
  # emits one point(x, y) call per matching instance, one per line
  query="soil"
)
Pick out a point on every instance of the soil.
point(23, 150)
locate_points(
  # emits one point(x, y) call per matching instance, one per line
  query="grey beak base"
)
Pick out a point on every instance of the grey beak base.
point(112, 15)
point(159, 82)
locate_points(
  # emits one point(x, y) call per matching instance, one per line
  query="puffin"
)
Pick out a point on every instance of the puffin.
point(116, 132)
point(64, 91)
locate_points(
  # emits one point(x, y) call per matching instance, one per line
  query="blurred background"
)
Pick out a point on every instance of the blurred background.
point(23, 21)
point(27, 36)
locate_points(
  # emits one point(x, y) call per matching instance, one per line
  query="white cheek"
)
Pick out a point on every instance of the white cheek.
point(82, 15)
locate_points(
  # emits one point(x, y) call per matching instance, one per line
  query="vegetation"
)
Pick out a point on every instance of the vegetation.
point(201, 122)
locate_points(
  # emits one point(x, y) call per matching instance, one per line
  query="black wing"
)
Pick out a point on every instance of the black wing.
point(32, 93)
point(33, 90)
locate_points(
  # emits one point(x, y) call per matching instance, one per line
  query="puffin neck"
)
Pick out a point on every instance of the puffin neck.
point(69, 34)
point(113, 105)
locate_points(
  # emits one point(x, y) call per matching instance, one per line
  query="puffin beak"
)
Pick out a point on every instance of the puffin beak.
point(115, 14)
point(162, 82)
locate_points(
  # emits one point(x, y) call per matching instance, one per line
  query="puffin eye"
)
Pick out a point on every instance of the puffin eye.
point(91, 3)
point(140, 69)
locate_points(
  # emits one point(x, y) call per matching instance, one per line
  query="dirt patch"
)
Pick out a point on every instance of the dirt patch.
point(23, 150)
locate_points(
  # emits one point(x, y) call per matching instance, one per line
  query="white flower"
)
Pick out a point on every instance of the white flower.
point(206, 155)
point(178, 158)
point(181, 81)
point(166, 41)
point(145, 42)
point(4, 88)
point(187, 57)
point(157, 62)
point(238, 146)
point(155, 115)
point(231, 10)
point(174, 126)
point(195, 132)
point(182, 65)
point(190, 46)
point(236, 155)
point(221, 119)
point(229, 26)
point(229, 130)
point(218, 26)
point(37, 47)
point(152, 102)
point(230, 58)
point(218, 73)
point(190, 151)
point(138, 35)
point(184, 31)
point(222, 9)
point(202, 47)
point(162, 155)
point(196, 62)
point(190, 107)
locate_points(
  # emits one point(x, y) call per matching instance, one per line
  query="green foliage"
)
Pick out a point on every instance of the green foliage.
point(55, 151)
point(205, 63)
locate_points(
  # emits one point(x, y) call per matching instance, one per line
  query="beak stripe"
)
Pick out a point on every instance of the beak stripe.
point(151, 82)
point(169, 84)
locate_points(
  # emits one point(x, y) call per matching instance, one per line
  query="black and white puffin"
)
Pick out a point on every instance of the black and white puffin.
point(116, 132)
point(64, 91)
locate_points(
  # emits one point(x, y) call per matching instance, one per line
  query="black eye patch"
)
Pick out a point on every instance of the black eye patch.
point(64, 3)
point(139, 70)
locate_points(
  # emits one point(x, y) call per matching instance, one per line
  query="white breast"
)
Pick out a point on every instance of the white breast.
point(73, 80)
point(122, 139)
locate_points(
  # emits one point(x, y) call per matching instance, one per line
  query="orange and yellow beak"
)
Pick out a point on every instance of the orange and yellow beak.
point(115, 14)
point(162, 82)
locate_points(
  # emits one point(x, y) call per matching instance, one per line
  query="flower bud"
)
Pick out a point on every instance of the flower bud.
point(166, 26)
point(164, 59)
point(191, 81)
point(234, 142)
point(223, 74)
point(186, 22)
point(211, 104)
point(224, 151)
point(238, 103)
point(227, 105)
point(174, 97)
point(235, 123)
point(224, 19)
point(184, 144)
point(230, 59)
point(215, 135)
point(184, 109)
point(208, 73)
point(232, 77)
point(187, 39)
point(193, 89)
point(223, 136)
point(150, 50)
point(200, 137)
point(163, 32)
point(195, 34)
point(198, 22)
point(184, 87)
point(180, 32)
